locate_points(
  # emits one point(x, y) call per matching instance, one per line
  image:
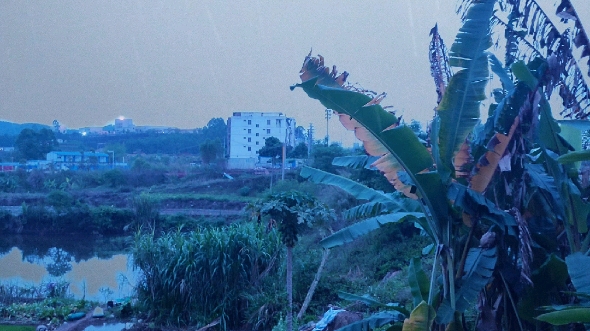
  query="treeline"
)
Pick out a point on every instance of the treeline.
point(152, 142)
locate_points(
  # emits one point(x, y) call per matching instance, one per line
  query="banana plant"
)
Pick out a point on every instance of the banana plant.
point(401, 152)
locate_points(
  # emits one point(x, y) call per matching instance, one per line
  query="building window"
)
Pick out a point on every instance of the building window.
point(257, 143)
point(257, 134)
point(278, 123)
point(267, 122)
point(257, 125)
point(267, 131)
point(249, 149)
point(249, 122)
point(249, 139)
point(249, 130)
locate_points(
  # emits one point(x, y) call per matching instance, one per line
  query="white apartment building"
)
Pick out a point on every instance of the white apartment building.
point(247, 132)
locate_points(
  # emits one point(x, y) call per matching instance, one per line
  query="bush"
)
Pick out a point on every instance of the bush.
point(245, 191)
point(189, 277)
point(114, 178)
point(111, 220)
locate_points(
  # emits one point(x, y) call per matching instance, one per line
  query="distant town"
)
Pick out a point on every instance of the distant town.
point(246, 140)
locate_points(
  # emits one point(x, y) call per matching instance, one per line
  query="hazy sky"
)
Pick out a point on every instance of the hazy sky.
point(180, 63)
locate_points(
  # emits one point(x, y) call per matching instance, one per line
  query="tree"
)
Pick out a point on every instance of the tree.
point(34, 145)
point(299, 152)
point(209, 150)
point(292, 211)
point(483, 189)
point(215, 129)
point(273, 147)
point(323, 155)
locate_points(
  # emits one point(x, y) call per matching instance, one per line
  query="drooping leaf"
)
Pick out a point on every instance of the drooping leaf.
point(540, 179)
point(531, 33)
point(460, 107)
point(500, 71)
point(357, 190)
point(350, 233)
point(566, 316)
point(485, 169)
point(576, 156)
point(366, 299)
point(440, 69)
point(420, 319)
point(355, 161)
point(479, 267)
point(419, 283)
point(474, 203)
point(577, 267)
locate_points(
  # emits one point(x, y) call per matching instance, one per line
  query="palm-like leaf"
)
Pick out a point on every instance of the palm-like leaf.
point(439, 63)
point(530, 32)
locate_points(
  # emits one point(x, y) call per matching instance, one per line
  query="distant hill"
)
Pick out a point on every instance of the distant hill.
point(13, 129)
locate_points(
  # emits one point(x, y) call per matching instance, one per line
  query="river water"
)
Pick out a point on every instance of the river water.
point(96, 268)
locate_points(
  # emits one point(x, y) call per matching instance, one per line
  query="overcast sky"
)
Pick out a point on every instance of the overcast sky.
point(180, 63)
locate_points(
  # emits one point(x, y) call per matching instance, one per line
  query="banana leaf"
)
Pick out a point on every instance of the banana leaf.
point(459, 109)
point(566, 316)
point(350, 233)
point(355, 162)
point(479, 267)
point(420, 319)
point(577, 267)
point(374, 321)
point(576, 156)
point(419, 282)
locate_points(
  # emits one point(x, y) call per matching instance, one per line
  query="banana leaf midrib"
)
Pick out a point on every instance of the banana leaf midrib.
point(423, 195)
point(456, 134)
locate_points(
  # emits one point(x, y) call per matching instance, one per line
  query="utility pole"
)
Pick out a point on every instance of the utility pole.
point(287, 136)
point(328, 116)
point(309, 140)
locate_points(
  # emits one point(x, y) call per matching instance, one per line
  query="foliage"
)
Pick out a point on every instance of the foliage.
point(209, 150)
point(192, 278)
point(34, 145)
point(323, 155)
point(476, 243)
point(299, 152)
point(273, 147)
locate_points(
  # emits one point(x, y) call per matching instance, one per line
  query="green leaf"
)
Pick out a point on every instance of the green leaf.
point(361, 228)
point(420, 319)
point(479, 267)
point(474, 203)
point(418, 280)
point(567, 316)
point(523, 74)
point(577, 267)
point(459, 109)
point(366, 299)
point(355, 161)
point(572, 157)
point(500, 71)
point(374, 321)
point(359, 191)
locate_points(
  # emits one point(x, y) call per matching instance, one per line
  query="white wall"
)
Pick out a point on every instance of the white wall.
point(248, 130)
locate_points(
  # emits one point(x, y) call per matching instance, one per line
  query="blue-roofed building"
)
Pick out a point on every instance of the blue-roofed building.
point(75, 160)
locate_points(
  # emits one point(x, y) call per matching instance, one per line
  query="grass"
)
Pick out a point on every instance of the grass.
point(17, 328)
point(195, 196)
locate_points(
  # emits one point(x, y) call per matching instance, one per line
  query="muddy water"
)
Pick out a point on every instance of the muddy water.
point(96, 268)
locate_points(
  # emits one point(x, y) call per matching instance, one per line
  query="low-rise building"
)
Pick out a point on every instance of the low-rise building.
point(75, 160)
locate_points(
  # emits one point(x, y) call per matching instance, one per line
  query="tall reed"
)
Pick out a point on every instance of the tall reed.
point(195, 278)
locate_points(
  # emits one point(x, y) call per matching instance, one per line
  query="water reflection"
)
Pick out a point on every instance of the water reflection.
point(97, 269)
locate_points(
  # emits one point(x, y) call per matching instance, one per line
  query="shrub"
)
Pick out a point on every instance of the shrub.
point(245, 191)
point(114, 178)
point(110, 220)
